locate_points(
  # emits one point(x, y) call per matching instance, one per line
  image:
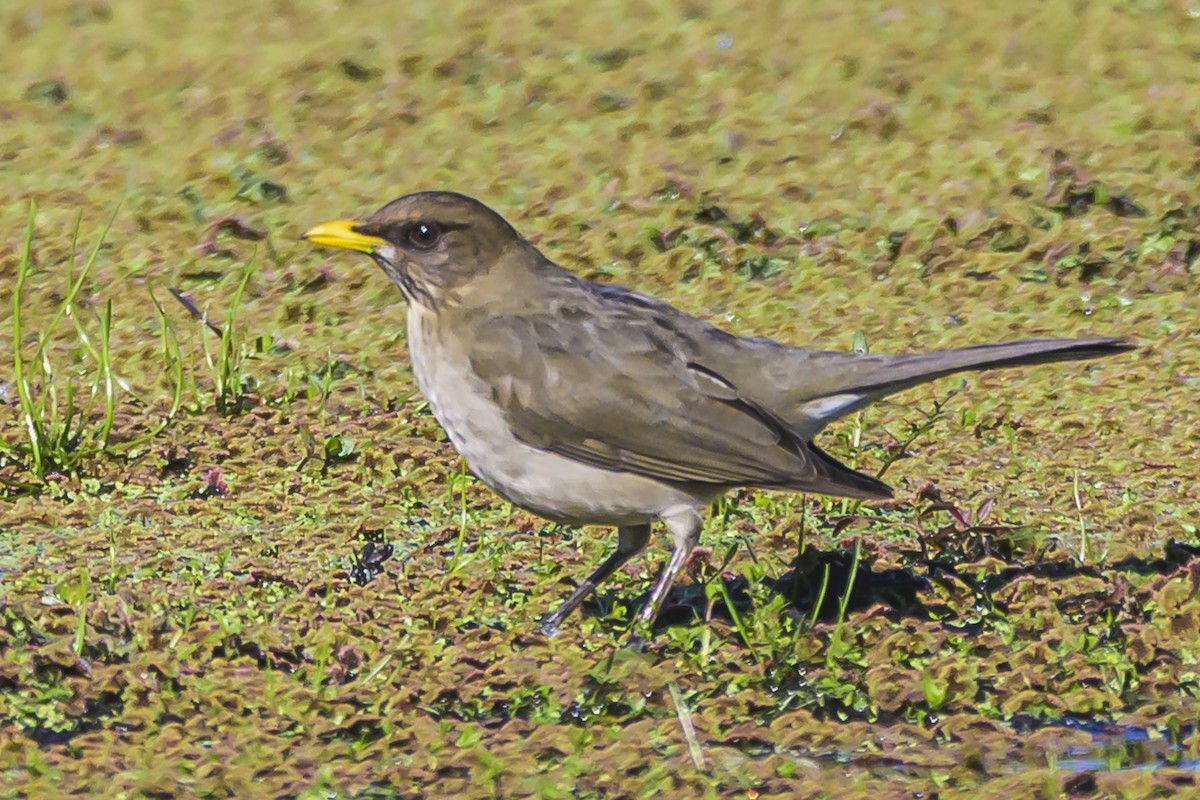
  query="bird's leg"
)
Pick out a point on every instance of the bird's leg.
point(630, 540)
point(685, 526)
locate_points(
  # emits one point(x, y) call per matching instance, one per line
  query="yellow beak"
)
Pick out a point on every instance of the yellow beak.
point(342, 234)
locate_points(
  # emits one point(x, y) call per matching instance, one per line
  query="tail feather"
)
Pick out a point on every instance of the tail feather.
point(853, 382)
point(900, 372)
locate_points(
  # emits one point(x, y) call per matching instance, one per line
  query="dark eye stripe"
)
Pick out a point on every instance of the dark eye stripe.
point(405, 234)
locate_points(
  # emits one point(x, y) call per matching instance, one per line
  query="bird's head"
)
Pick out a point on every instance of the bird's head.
point(431, 244)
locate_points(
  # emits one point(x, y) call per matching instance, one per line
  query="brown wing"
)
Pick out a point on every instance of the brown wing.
point(621, 396)
point(808, 389)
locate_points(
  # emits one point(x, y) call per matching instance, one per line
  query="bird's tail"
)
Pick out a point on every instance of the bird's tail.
point(862, 380)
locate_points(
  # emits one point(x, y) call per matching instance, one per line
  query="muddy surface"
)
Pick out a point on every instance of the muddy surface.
point(241, 559)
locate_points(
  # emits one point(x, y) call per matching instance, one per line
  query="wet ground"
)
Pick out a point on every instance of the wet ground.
point(239, 558)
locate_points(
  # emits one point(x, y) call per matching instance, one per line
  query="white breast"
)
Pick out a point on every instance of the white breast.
point(545, 483)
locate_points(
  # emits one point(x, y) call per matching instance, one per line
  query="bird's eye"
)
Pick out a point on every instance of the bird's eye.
point(423, 235)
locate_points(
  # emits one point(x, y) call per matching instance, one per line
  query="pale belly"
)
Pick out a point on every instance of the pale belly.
point(549, 485)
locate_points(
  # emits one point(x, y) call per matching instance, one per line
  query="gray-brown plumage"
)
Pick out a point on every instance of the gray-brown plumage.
point(590, 404)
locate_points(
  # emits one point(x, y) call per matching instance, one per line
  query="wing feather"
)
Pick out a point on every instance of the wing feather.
point(623, 396)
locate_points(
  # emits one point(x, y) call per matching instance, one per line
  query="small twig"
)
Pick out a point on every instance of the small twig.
point(685, 722)
point(186, 302)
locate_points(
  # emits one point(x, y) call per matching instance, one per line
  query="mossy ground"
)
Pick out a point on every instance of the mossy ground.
point(179, 617)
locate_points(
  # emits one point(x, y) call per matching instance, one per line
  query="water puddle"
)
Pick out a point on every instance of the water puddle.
point(1115, 748)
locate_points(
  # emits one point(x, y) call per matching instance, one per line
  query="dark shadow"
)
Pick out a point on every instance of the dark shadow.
point(897, 589)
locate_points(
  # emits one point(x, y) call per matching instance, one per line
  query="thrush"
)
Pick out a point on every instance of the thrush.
point(590, 404)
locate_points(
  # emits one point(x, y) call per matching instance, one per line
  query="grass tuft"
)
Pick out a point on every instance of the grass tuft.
point(68, 413)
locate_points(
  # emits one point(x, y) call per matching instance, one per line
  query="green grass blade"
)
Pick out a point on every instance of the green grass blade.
point(21, 378)
point(737, 620)
point(106, 374)
point(68, 303)
point(820, 597)
point(836, 641)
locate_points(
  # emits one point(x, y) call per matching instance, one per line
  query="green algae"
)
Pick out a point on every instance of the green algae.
point(206, 612)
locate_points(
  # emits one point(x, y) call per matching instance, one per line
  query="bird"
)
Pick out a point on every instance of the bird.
point(587, 403)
